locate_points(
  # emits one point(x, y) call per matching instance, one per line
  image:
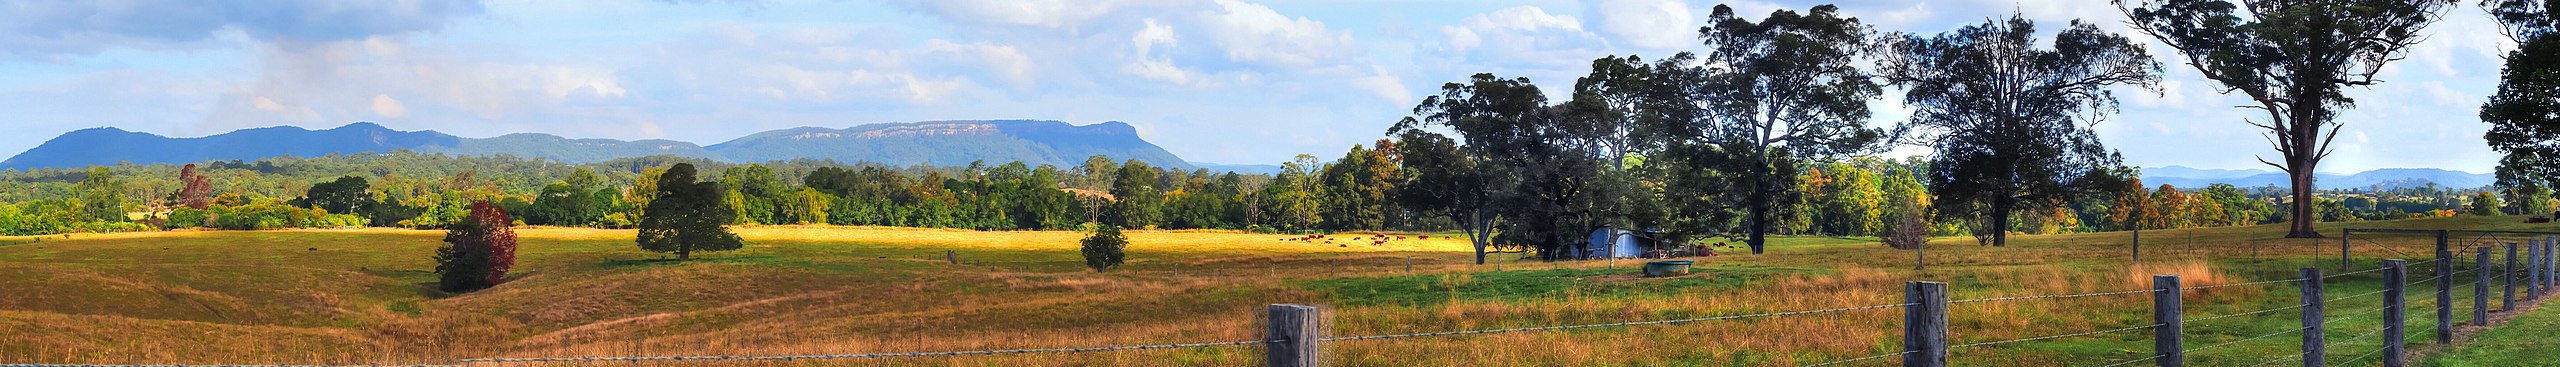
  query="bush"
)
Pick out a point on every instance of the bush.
point(1103, 249)
point(185, 217)
point(478, 250)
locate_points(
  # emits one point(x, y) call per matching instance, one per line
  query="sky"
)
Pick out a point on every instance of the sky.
point(1221, 81)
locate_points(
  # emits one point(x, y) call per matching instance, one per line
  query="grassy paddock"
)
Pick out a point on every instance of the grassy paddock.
point(366, 296)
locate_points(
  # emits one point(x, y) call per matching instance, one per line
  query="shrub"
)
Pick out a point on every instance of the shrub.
point(185, 217)
point(1103, 249)
point(478, 250)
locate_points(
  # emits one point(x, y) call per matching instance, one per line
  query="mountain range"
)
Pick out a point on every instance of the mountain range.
point(940, 143)
point(2387, 178)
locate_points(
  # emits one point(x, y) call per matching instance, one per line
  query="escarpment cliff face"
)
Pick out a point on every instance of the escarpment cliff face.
point(952, 143)
point(941, 143)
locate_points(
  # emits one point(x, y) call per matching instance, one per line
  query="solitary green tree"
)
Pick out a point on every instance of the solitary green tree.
point(1102, 249)
point(2293, 60)
point(2008, 123)
point(1783, 90)
point(686, 216)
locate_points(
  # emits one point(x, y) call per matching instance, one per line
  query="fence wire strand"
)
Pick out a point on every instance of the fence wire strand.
point(2244, 284)
point(1634, 323)
point(2258, 312)
point(2326, 277)
point(2048, 337)
point(2229, 343)
point(2055, 296)
point(858, 355)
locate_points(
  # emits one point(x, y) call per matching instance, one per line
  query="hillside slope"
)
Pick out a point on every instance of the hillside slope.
point(942, 143)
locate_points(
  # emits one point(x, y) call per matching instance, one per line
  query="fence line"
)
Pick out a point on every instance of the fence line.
point(2023, 298)
point(1633, 323)
point(2050, 337)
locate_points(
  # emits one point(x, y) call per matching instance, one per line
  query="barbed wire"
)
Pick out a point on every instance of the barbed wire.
point(2048, 337)
point(2354, 296)
point(2326, 277)
point(2218, 317)
point(2022, 298)
point(2421, 281)
point(2360, 314)
point(2229, 343)
point(2246, 284)
point(1866, 358)
point(858, 355)
point(1633, 323)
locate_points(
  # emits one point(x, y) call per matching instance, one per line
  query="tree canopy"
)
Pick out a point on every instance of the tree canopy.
point(2008, 123)
point(2524, 114)
point(686, 216)
point(1779, 91)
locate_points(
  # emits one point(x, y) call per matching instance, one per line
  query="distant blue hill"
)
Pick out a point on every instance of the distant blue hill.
point(2388, 178)
point(941, 143)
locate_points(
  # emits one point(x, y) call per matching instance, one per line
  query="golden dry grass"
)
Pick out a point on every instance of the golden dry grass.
point(346, 296)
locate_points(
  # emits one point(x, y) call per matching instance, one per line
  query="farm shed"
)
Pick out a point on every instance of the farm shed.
point(1608, 242)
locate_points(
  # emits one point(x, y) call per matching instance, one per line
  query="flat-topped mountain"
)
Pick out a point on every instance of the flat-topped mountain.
point(941, 143)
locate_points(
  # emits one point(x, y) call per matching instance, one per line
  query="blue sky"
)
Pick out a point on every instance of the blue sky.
point(1226, 81)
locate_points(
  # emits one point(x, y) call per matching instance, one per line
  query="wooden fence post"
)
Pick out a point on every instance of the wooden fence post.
point(2395, 274)
point(1292, 339)
point(2536, 268)
point(2509, 275)
point(2343, 263)
point(2532, 275)
point(2137, 244)
point(1924, 324)
point(2480, 289)
point(2315, 327)
point(2166, 340)
point(2444, 288)
point(951, 256)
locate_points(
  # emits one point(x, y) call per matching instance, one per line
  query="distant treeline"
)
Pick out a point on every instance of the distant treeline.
point(1363, 190)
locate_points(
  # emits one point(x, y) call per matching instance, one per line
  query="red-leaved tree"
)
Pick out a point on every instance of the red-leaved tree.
point(197, 191)
point(478, 251)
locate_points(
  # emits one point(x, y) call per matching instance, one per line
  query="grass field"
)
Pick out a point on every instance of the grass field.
point(366, 296)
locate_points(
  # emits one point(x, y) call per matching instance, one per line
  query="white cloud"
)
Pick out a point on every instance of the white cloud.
point(1150, 65)
point(385, 106)
point(1386, 85)
point(1071, 16)
point(1658, 24)
point(1525, 35)
point(1254, 33)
